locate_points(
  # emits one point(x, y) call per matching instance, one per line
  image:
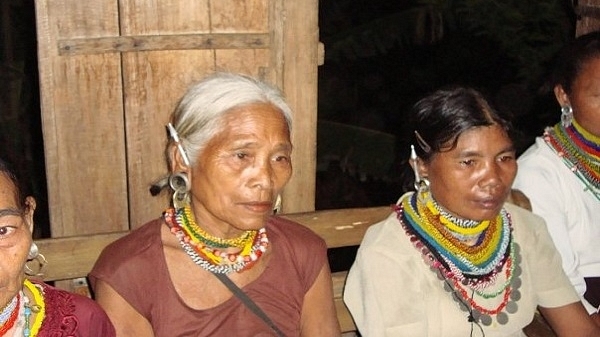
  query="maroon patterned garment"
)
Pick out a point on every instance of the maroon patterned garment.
point(72, 315)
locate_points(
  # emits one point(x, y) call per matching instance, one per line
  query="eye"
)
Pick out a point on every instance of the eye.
point(241, 155)
point(282, 158)
point(507, 158)
point(6, 231)
point(467, 162)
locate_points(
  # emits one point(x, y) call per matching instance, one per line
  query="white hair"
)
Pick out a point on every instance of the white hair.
point(199, 114)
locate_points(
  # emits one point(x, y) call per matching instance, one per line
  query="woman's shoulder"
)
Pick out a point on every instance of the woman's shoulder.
point(526, 225)
point(71, 314)
point(67, 302)
point(139, 248)
point(518, 214)
point(387, 229)
point(387, 238)
point(382, 231)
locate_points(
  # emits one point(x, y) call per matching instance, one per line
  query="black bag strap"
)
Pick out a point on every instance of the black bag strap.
point(248, 302)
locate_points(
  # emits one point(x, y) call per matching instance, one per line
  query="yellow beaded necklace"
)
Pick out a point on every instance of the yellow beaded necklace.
point(38, 306)
point(197, 234)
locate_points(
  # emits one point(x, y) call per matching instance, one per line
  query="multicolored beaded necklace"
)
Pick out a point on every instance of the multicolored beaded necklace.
point(489, 268)
point(19, 311)
point(9, 314)
point(209, 252)
point(579, 150)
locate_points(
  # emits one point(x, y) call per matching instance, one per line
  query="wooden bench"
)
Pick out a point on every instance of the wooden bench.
point(73, 257)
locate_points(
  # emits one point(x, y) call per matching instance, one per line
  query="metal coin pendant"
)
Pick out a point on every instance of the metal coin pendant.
point(515, 295)
point(512, 307)
point(516, 282)
point(447, 287)
point(502, 318)
point(517, 272)
point(517, 248)
point(462, 305)
point(486, 320)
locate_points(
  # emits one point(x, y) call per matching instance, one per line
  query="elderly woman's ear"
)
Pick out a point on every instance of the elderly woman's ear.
point(30, 206)
point(178, 162)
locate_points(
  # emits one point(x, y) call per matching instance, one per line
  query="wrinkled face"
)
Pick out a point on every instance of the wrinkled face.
point(585, 97)
point(15, 240)
point(473, 180)
point(242, 169)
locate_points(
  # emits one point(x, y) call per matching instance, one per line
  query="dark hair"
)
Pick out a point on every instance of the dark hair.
point(438, 119)
point(572, 58)
point(8, 171)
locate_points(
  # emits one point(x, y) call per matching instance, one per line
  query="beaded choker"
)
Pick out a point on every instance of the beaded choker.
point(213, 258)
point(462, 229)
point(579, 150)
point(193, 230)
point(489, 268)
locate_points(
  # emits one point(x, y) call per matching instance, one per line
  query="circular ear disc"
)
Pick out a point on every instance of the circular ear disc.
point(180, 185)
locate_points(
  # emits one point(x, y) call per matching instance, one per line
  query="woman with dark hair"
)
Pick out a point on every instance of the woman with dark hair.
point(28, 307)
point(453, 258)
point(560, 172)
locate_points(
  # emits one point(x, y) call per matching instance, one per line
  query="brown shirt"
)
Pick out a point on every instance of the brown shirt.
point(135, 267)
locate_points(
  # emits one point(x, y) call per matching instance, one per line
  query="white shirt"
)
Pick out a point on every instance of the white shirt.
point(572, 214)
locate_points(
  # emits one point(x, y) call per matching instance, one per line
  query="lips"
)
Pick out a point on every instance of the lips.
point(259, 206)
point(490, 203)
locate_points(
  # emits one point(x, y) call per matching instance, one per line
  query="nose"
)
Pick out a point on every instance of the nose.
point(263, 175)
point(491, 176)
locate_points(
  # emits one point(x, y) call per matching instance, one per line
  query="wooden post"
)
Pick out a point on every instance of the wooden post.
point(300, 54)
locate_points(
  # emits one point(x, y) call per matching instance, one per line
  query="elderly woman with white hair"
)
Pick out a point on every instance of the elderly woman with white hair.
point(218, 262)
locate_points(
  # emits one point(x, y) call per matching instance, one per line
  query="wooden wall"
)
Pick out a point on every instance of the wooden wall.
point(111, 71)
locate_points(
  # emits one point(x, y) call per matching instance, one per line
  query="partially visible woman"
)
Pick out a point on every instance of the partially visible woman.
point(453, 258)
point(31, 308)
point(229, 157)
point(560, 173)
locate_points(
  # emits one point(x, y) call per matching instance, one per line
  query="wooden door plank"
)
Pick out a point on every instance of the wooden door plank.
point(153, 83)
point(300, 58)
point(82, 120)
